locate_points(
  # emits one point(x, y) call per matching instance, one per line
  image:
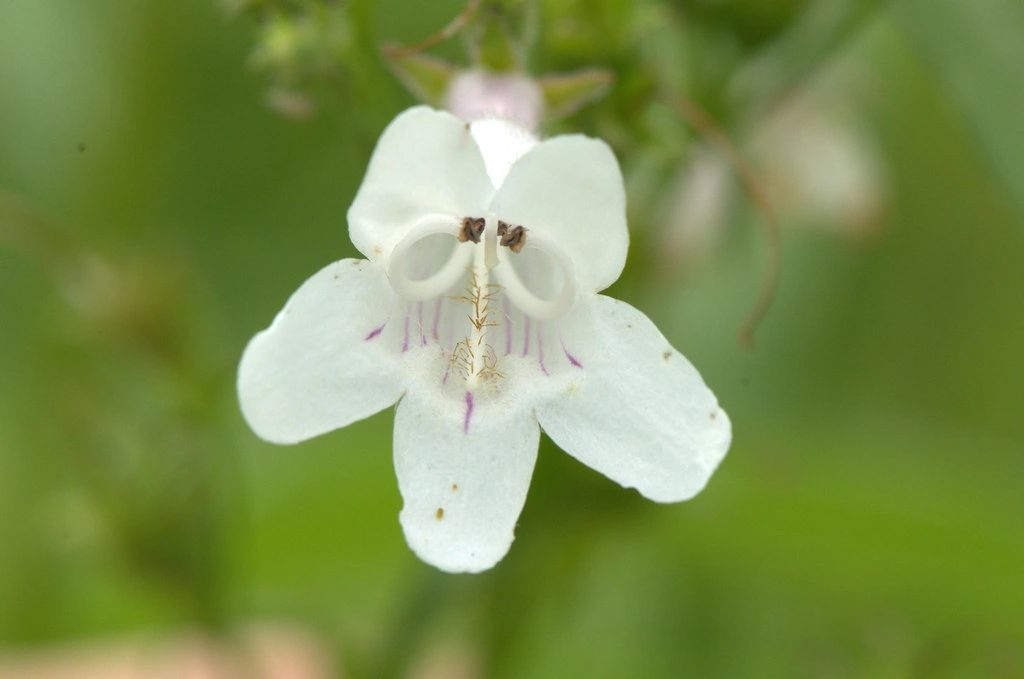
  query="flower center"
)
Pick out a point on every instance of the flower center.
point(494, 269)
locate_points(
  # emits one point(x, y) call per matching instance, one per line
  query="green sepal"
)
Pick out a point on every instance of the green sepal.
point(426, 77)
point(566, 93)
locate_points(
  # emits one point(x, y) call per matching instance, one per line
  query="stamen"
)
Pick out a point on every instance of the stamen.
point(508, 325)
point(527, 302)
point(512, 236)
point(449, 273)
point(471, 229)
point(472, 356)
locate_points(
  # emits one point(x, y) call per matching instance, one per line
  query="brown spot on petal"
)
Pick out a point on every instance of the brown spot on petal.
point(439, 514)
point(667, 355)
point(455, 487)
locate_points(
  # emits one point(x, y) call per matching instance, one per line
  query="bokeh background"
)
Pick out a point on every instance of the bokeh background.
point(171, 171)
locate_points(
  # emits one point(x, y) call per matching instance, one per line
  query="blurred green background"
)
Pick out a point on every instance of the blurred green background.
point(171, 171)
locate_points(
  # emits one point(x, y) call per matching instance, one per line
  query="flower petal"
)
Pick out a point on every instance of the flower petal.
point(426, 162)
point(639, 412)
point(571, 188)
point(321, 364)
point(463, 467)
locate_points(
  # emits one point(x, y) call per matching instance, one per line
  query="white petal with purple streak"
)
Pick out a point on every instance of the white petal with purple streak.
point(464, 465)
point(322, 364)
point(638, 411)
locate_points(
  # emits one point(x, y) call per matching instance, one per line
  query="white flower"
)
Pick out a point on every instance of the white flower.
point(477, 311)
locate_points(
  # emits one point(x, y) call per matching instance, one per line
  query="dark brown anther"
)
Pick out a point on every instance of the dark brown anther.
point(472, 229)
point(512, 236)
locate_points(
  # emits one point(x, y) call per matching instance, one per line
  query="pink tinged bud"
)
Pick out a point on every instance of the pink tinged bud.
point(513, 96)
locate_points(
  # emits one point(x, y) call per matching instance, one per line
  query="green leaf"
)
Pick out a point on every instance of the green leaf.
point(977, 51)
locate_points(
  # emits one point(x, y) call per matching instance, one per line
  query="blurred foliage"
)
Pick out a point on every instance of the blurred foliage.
point(158, 203)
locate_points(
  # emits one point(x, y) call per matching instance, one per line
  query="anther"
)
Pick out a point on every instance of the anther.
point(512, 236)
point(472, 229)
